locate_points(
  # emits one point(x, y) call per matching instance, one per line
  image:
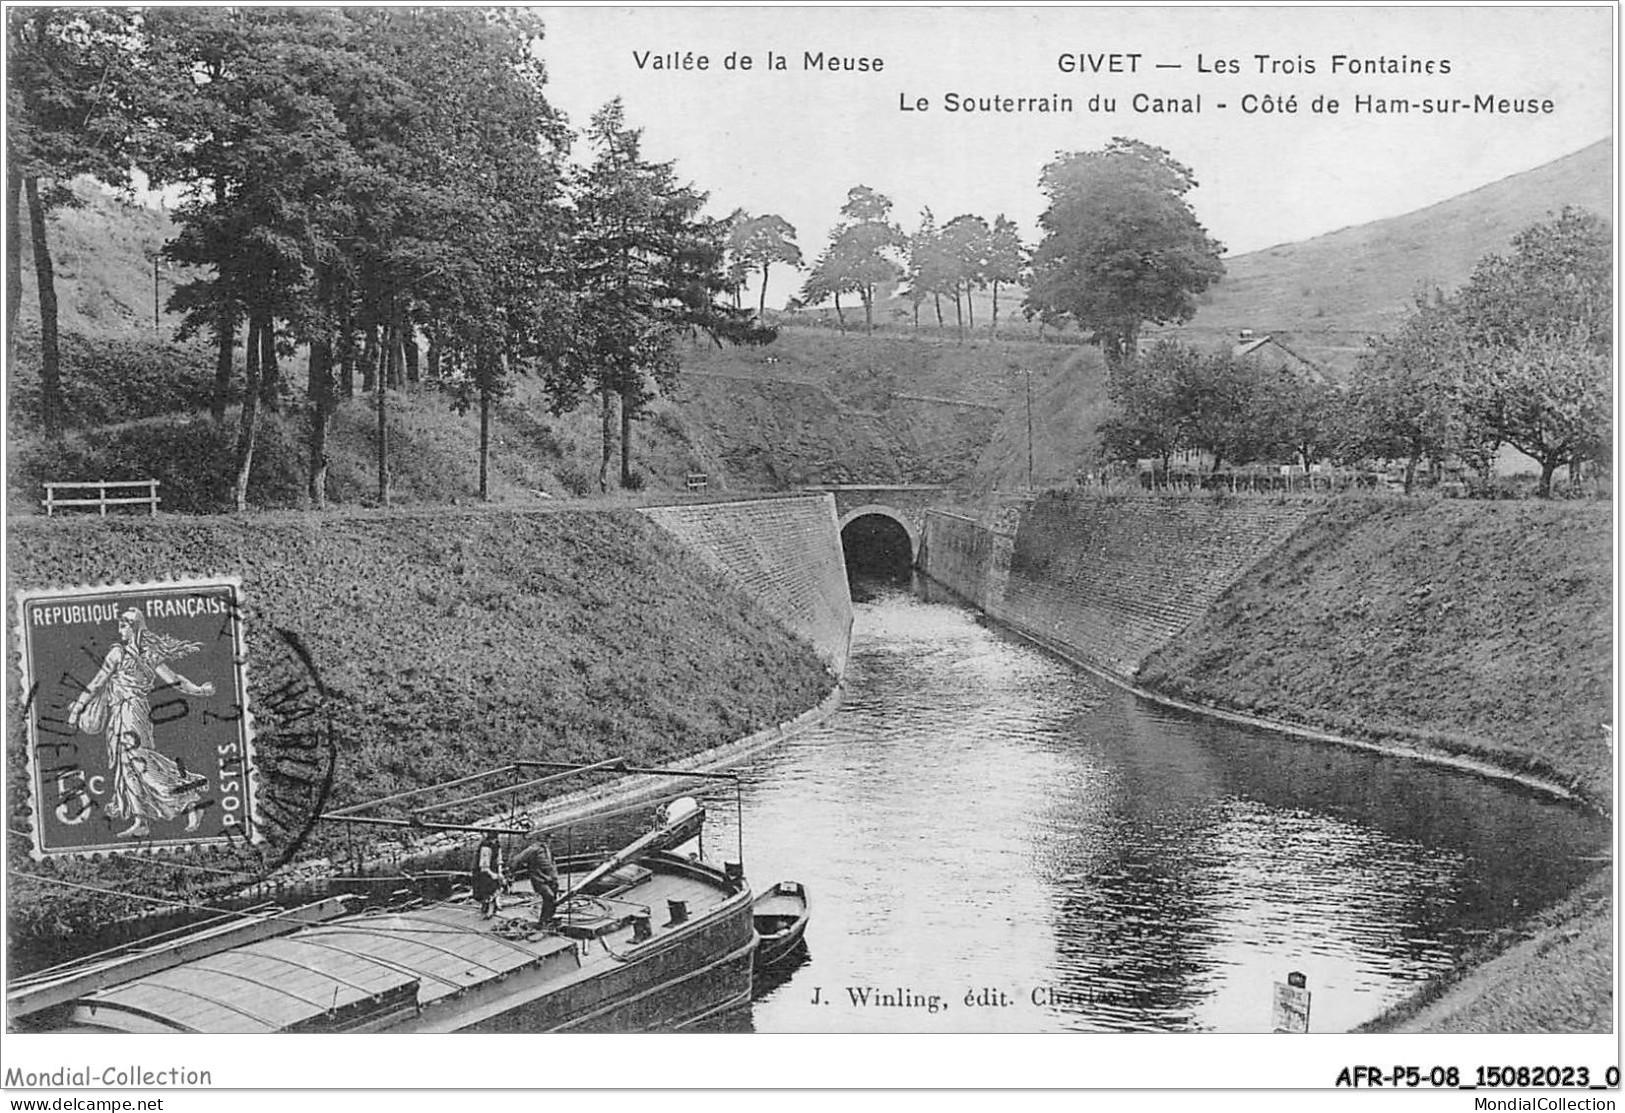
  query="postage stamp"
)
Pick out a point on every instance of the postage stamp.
point(136, 716)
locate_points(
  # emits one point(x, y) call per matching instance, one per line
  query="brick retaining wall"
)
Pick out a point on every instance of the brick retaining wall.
point(1112, 579)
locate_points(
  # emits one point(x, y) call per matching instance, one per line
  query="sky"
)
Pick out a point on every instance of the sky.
point(793, 141)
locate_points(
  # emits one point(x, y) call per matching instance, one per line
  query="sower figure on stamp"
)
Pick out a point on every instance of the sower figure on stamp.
point(146, 785)
point(534, 862)
point(488, 874)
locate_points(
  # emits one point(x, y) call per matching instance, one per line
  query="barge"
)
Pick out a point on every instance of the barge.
point(645, 940)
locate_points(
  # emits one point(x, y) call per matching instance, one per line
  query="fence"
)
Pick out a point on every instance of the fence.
point(53, 500)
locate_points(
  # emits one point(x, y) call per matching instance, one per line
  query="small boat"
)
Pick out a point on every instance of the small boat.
point(643, 940)
point(780, 916)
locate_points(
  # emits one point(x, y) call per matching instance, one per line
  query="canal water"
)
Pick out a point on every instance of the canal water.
point(995, 841)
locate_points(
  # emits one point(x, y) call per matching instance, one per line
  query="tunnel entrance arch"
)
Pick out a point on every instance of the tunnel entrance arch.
point(877, 540)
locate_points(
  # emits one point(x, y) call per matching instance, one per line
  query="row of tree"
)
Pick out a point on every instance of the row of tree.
point(1521, 355)
point(868, 251)
point(1175, 399)
point(343, 197)
point(1120, 247)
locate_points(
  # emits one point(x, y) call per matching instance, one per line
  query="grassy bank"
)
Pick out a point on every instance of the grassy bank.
point(1478, 629)
point(1475, 629)
point(1553, 972)
point(448, 642)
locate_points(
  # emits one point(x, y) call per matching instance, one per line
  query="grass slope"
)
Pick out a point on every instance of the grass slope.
point(1553, 972)
point(450, 641)
point(433, 456)
point(819, 407)
point(811, 408)
point(1068, 402)
point(102, 249)
point(1325, 295)
point(1477, 628)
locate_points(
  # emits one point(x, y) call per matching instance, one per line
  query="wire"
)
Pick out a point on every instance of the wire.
point(199, 868)
point(117, 893)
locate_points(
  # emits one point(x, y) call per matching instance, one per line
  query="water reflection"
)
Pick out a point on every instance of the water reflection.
point(985, 826)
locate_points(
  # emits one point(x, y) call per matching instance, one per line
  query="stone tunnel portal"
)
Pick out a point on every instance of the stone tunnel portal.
point(878, 544)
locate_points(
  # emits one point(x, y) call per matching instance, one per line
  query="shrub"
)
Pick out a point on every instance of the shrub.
point(114, 380)
point(667, 422)
point(574, 480)
point(1501, 487)
point(533, 429)
point(194, 460)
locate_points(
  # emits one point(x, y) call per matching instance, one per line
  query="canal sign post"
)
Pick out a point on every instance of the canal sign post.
point(1291, 1012)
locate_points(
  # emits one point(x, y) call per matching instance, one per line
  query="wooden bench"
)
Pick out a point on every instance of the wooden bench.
point(54, 498)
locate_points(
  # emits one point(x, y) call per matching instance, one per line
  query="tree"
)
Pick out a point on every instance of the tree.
point(860, 256)
point(1224, 400)
point(254, 139)
point(865, 206)
point(1148, 418)
point(1554, 392)
point(1121, 246)
point(1006, 260)
point(1300, 413)
point(1176, 397)
point(825, 282)
point(411, 212)
point(1559, 277)
point(490, 284)
point(1406, 394)
point(761, 241)
point(333, 185)
point(1521, 355)
point(647, 268)
point(738, 270)
point(925, 270)
point(71, 95)
point(1538, 328)
point(964, 244)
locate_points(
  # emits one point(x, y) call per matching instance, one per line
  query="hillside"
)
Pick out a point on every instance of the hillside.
point(103, 251)
point(893, 407)
point(826, 410)
point(1326, 295)
point(812, 408)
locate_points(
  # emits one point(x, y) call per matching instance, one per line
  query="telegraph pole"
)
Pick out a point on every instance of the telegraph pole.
point(1028, 372)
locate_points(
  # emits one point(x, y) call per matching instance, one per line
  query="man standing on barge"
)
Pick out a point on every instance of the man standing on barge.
point(488, 874)
point(535, 863)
